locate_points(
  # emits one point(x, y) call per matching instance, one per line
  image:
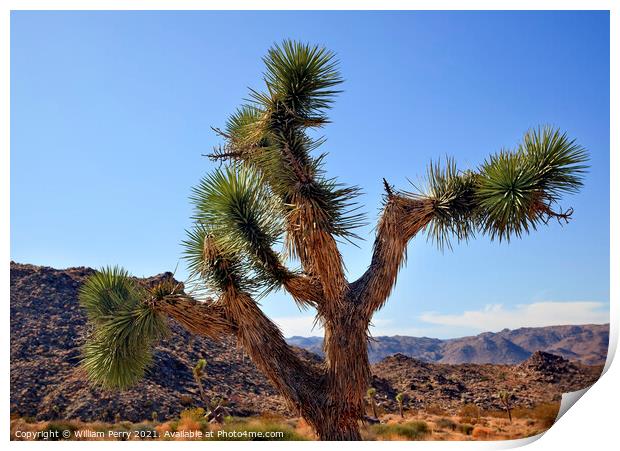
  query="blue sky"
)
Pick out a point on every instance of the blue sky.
point(111, 111)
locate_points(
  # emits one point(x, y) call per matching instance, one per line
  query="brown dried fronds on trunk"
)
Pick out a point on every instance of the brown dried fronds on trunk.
point(346, 358)
point(307, 291)
point(202, 318)
point(316, 248)
point(298, 381)
point(402, 218)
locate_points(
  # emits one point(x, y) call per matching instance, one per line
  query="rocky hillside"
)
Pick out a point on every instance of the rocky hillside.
point(586, 343)
point(541, 378)
point(48, 328)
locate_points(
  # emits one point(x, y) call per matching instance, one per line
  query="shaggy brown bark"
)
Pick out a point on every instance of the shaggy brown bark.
point(331, 397)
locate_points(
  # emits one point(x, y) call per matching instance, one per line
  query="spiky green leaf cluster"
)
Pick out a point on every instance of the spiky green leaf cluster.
point(119, 349)
point(238, 217)
point(199, 367)
point(212, 266)
point(300, 78)
point(453, 195)
point(269, 135)
point(510, 194)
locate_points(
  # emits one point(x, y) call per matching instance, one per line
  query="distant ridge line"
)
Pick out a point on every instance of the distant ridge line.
point(585, 343)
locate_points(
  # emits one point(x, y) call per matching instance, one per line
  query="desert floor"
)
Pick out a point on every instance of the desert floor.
point(432, 424)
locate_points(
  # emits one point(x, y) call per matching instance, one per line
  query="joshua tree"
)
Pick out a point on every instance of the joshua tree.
point(504, 398)
point(371, 392)
point(400, 397)
point(271, 188)
point(197, 371)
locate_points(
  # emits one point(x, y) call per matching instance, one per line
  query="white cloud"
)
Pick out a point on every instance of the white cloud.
point(491, 318)
point(298, 325)
point(496, 317)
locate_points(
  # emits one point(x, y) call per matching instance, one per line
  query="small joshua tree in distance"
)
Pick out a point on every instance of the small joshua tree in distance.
point(198, 371)
point(371, 392)
point(272, 190)
point(400, 398)
point(504, 397)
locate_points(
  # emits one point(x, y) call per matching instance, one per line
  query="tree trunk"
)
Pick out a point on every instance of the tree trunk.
point(331, 428)
point(329, 397)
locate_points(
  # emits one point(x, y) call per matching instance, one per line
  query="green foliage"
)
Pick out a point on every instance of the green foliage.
point(270, 136)
point(194, 414)
point(465, 428)
point(301, 78)
point(414, 430)
point(119, 350)
point(199, 367)
point(217, 268)
point(454, 205)
point(446, 423)
point(245, 221)
point(510, 194)
point(106, 291)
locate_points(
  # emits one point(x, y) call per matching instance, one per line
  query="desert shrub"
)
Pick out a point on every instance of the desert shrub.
point(446, 423)
point(189, 424)
point(469, 411)
point(186, 400)
point(435, 409)
point(494, 413)
point(480, 432)
point(415, 430)
point(162, 429)
point(196, 414)
point(127, 425)
point(546, 413)
point(465, 428)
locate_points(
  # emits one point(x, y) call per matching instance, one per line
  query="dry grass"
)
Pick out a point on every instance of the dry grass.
point(422, 425)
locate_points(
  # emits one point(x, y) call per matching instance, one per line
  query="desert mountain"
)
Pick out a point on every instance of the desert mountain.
point(48, 328)
point(585, 343)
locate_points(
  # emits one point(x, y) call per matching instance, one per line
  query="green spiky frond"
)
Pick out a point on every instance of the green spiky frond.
point(511, 193)
point(199, 367)
point(516, 190)
point(244, 219)
point(215, 267)
point(119, 350)
point(453, 196)
point(270, 136)
point(300, 79)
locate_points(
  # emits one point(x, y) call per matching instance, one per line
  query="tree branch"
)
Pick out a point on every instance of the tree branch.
point(237, 314)
point(306, 291)
point(201, 318)
point(402, 218)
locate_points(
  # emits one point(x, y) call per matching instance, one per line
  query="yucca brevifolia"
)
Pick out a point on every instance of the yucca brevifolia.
point(272, 189)
point(400, 398)
point(371, 392)
point(504, 398)
point(197, 371)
